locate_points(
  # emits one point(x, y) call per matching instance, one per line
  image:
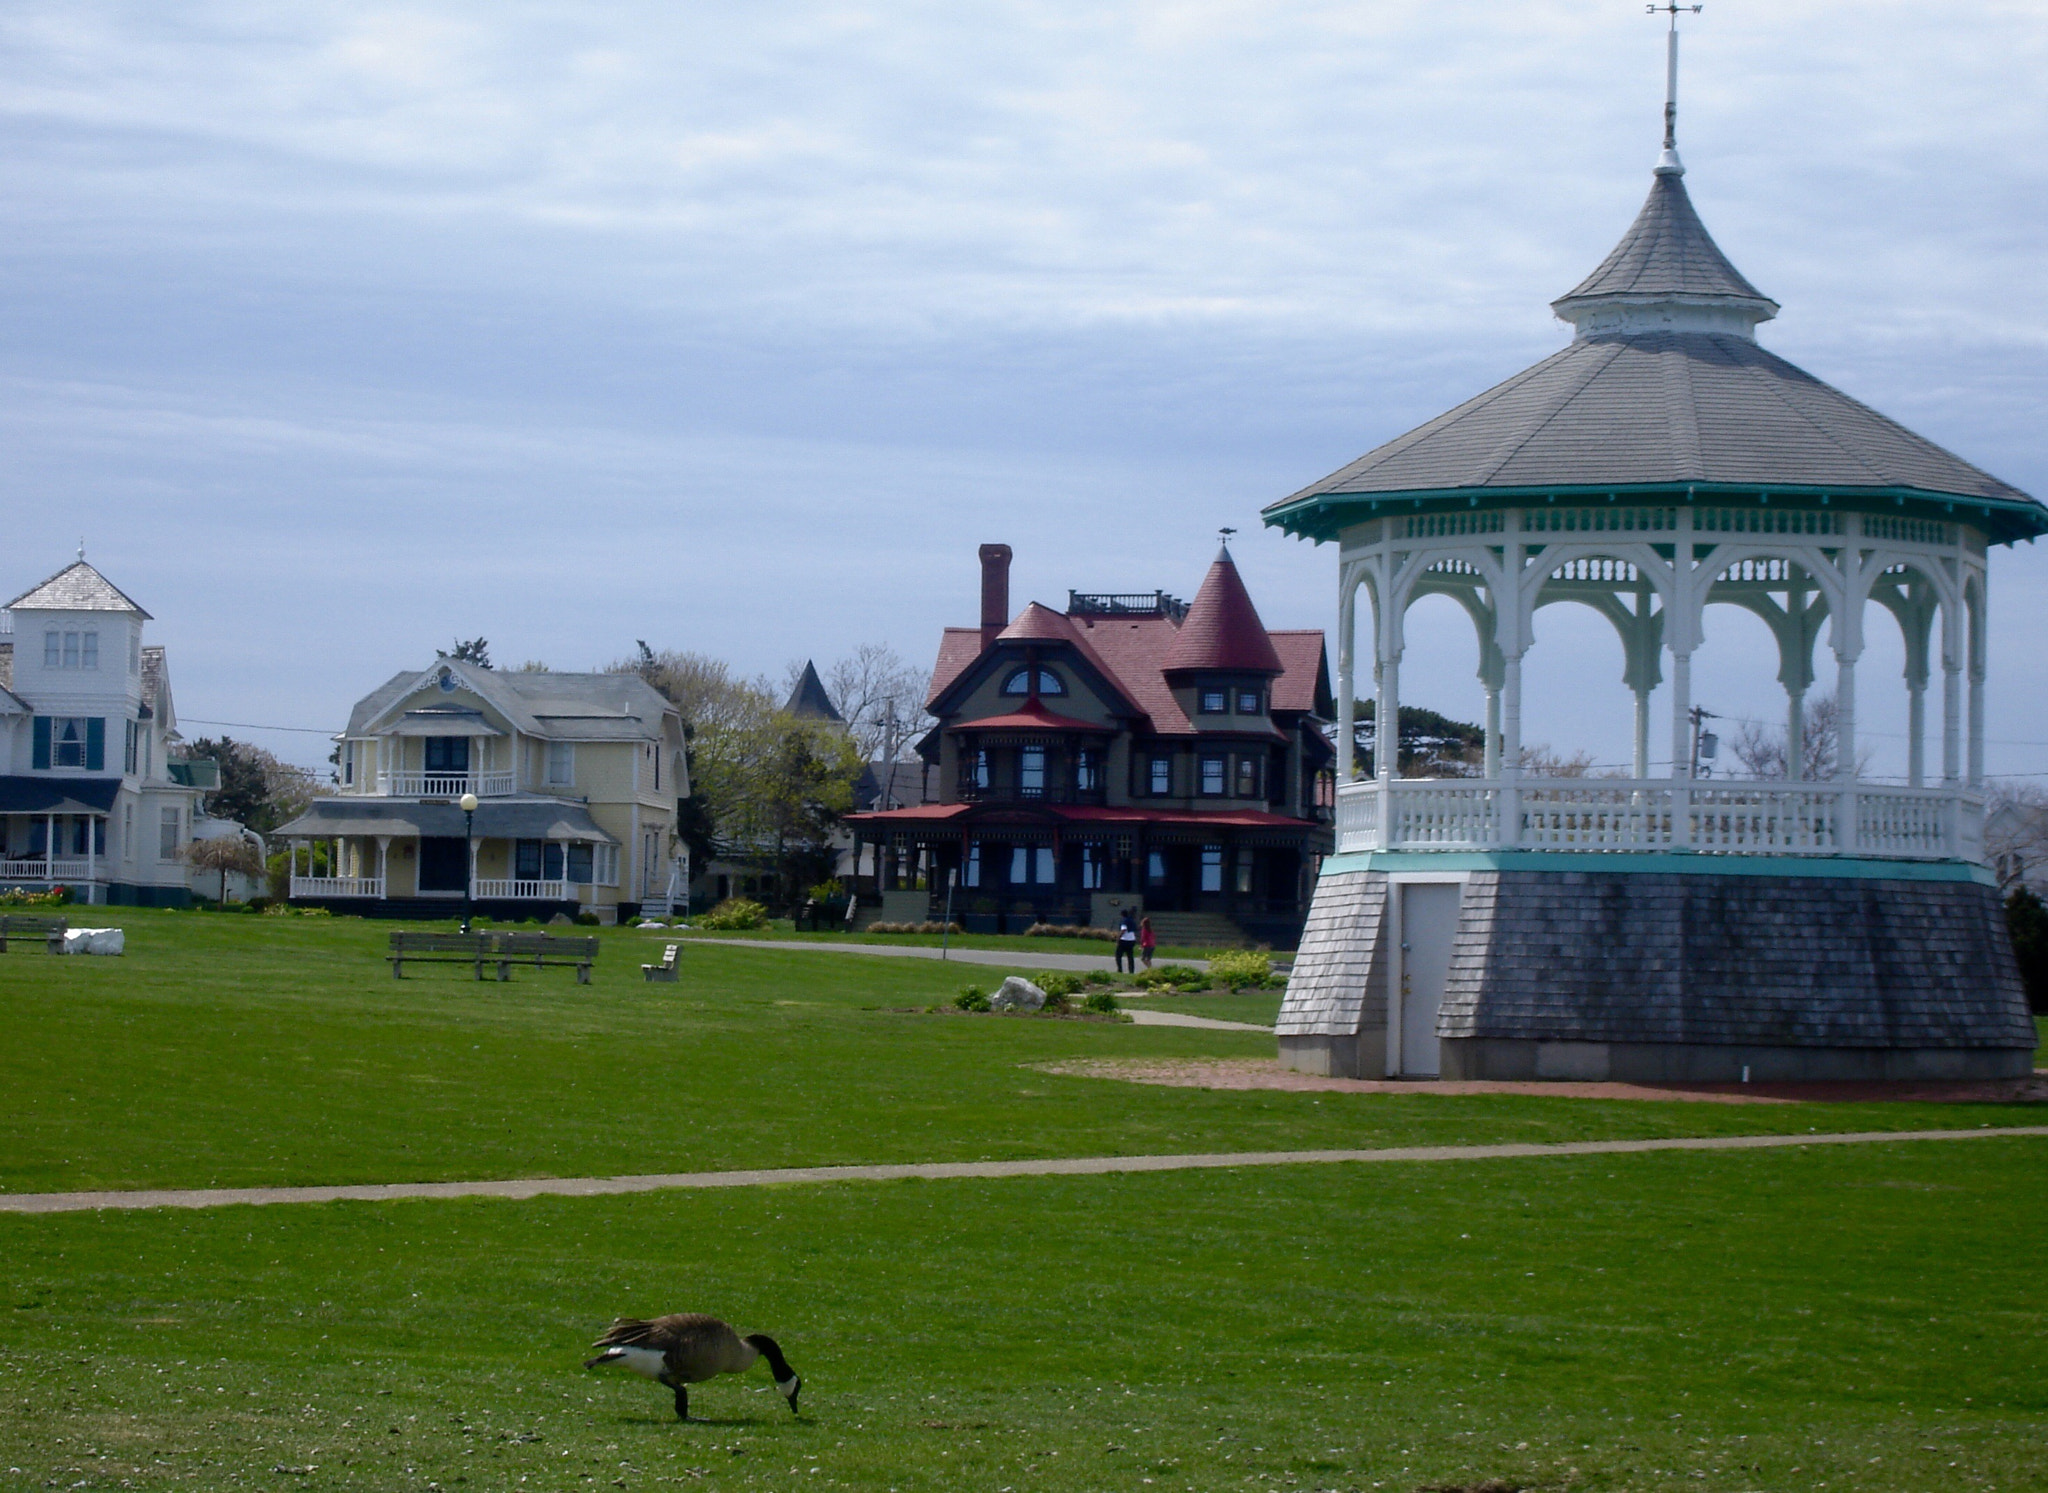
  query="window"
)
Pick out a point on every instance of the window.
point(89, 650)
point(978, 772)
point(128, 832)
point(348, 763)
point(1248, 702)
point(1214, 701)
point(561, 769)
point(1247, 777)
point(607, 865)
point(71, 650)
point(1160, 777)
point(1212, 868)
point(1088, 770)
point(167, 836)
point(1155, 866)
point(1031, 772)
point(135, 650)
point(1244, 873)
point(68, 742)
point(1091, 868)
point(1212, 777)
point(581, 867)
point(971, 876)
point(447, 753)
point(1044, 866)
point(53, 644)
point(1019, 683)
point(131, 747)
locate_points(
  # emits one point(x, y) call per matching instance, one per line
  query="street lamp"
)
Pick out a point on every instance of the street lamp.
point(468, 803)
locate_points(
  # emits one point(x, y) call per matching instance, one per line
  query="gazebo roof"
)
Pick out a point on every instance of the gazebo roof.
point(1663, 392)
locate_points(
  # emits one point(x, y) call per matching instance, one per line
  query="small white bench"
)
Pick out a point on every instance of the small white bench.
point(666, 970)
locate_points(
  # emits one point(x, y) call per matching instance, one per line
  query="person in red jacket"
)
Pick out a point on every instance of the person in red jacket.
point(1146, 942)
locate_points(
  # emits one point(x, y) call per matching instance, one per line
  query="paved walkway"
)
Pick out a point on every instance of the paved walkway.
point(1004, 957)
point(1073, 1166)
point(1142, 1017)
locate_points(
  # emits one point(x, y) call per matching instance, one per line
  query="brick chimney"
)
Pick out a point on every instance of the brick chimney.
point(995, 591)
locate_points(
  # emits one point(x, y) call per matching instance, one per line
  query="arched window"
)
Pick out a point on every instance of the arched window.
point(1019, 683)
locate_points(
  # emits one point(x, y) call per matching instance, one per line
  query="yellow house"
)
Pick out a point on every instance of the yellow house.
point(517, 794)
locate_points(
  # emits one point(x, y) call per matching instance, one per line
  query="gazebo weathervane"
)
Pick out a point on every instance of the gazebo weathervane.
point(1671, 72)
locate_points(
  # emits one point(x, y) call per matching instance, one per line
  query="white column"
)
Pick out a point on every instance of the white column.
point(49, 847)
point(1642, 758)
point(1795, 735)
point(1916, 732)
point(1386, 730)
point(1492, 768)
point(383, 864)
point(1347, 629)
point(1976, 637)
point(1951, 720)
point(1511, 716)
point(1681, 714)
point(91, 859)
point(1845, 716)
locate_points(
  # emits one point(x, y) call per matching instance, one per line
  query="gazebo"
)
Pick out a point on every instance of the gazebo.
point(1665, 927)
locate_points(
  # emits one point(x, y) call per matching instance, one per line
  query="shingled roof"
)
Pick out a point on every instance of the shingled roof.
point(1667, 253)
point(76, 588)
point(1222, 629)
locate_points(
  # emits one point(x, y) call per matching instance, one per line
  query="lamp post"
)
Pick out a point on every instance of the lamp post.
point(468, 802)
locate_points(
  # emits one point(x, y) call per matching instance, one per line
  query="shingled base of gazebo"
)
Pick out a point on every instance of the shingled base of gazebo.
point(1868, 970)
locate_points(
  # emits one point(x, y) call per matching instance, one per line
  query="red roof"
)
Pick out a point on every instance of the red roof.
point(1032, 716)
point(1301, 656)
point(1037, 623)
point(1223, 630)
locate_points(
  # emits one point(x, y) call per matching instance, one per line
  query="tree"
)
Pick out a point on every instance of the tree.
point(1432, 745)
point(224, 854)
point(880, 696)
point(472, 651)
point(2026, 919)
point(256, 788)
point(1761, 749)
point(2016, 832)
point(776, 788)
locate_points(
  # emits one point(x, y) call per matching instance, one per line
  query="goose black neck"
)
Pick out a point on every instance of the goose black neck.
point(763, 1344)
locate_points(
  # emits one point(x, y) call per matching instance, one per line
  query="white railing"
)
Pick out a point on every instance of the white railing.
point(337, 886)
point(523, 891)
point(447, 784)
point(62, 870)
point(1613, 814)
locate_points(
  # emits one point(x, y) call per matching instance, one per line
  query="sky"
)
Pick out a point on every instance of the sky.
point(340, 331)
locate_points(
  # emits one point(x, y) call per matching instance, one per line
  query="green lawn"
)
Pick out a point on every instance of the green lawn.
point(782, 930)
point(239, 1051)
point(1858, 1317)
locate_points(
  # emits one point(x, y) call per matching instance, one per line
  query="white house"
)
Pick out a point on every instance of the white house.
point(91, 796)
point(574, 777)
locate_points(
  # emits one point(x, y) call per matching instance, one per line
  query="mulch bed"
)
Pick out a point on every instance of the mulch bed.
point(1266, 1073)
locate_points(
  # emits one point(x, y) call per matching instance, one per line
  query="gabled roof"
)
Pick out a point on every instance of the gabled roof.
point(1222, 629)
point(1667, 254)
point(1032, 715)
point(560, 707)
point(809, 701)
point(76, 588)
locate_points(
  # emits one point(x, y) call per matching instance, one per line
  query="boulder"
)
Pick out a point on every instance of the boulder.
point(1017, 994)
point(95, 941)
point(561, 920)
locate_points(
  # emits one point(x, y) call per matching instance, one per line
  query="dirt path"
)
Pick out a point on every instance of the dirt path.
point(1074, 1166)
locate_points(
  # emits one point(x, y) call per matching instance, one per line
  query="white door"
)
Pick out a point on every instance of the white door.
point(1429, 921)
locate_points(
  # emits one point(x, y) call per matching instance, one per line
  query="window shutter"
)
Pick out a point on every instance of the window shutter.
point(95, 744)
point(42, 742)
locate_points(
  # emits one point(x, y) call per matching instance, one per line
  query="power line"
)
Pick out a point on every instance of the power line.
point(255, 726)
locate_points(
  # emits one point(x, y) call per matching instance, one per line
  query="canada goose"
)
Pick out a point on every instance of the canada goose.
point(686, 1348)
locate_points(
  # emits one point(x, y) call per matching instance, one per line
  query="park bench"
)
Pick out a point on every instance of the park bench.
point(543, 950)
point(30, 925)
point(442, 948)
point(666, 970)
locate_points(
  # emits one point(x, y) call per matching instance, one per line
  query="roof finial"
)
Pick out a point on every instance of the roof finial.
point(1225, 534)
point(1668, 163)
point(81, 547)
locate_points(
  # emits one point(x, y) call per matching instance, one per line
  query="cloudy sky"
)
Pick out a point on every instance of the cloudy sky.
point(341, 330)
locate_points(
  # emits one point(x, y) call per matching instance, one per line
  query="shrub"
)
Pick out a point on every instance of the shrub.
point(56, 897)
point(1241, 969)
point(829, 890)
point(1056, 1003)
point(735, 914)
point(1069, 930)
point(1056, 983)
point(2026, 919)
point(927, 927)
point(1173, 977)
point(973, 998)
point(1101, 1002)
point(588, 920)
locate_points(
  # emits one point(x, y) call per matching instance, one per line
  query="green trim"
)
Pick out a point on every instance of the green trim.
point(1657, 862)
point(1324, 515)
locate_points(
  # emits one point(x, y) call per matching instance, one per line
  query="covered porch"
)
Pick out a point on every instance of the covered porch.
point(54, 833)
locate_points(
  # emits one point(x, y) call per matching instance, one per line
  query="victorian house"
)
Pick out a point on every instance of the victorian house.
point(92, 797)
point(1132, 752)
point(523, 794)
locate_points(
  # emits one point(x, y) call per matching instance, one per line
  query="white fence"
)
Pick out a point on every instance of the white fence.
point(525, 891)
point(337, 886)
point(1597, 814)
point(447, 784)
point(62, 870)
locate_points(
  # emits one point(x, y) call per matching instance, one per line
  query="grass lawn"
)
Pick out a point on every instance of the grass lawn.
point(1002, 943)
point(1855, 1317)
point(239, 1051)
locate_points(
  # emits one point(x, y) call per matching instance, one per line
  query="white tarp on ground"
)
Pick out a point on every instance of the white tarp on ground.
point(94, 941)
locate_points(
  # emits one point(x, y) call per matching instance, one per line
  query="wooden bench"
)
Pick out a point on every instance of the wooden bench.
point(666, 970)
point(31, 925)
point(442, 948)
point(543, 950)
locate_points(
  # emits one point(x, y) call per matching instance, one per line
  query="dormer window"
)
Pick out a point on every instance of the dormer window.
point(1213, 700)
point(1248, 702)
point(448, 754)
point(71, 650)
point(1019, 683)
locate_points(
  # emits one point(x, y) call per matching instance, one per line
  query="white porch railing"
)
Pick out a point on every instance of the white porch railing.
point(60, 870)
point(1606, 814)
point(337, 886)
point(447, 784)
point(518, 890)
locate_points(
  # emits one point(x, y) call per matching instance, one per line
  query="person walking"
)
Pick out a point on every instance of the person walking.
point(1127, 945)
point(1146, 942)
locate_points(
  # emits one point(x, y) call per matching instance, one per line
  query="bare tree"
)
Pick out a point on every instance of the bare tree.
point(2016, 833)
point(1762, 752)
point(1541, 761)
point(881, 697)
point(224, 854)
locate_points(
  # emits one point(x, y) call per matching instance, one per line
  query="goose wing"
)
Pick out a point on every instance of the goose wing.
point(694, 1345)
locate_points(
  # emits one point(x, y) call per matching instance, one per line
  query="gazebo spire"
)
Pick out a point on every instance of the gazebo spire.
point(1668, 163)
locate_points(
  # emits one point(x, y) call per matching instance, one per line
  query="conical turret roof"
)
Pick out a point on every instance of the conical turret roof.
point(809, 701)
point(1667, 260)
point(1222, 629)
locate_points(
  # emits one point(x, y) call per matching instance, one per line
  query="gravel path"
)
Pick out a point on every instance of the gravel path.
point(1075, 1166)
point(1003, 957)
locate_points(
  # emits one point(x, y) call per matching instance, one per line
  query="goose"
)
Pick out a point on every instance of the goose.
point(686, 1348)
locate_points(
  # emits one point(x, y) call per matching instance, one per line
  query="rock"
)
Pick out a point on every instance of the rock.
point(94, 941)
point(561, 920)
point(1017, 994)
